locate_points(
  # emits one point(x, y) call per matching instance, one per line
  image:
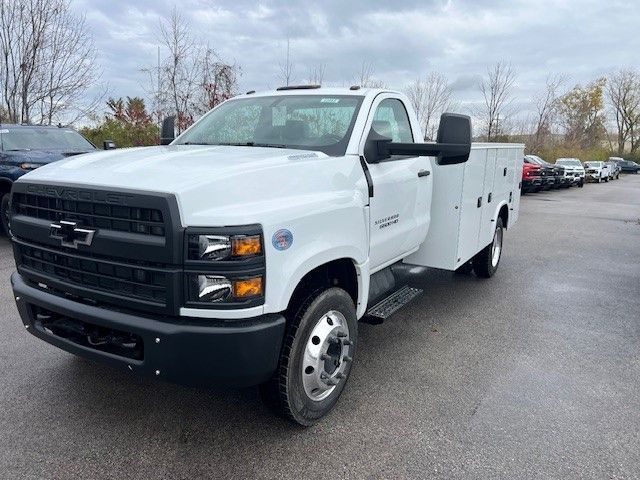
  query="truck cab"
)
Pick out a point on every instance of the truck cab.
point(245, 251)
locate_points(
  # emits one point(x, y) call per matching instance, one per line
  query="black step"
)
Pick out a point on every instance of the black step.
point(391, 304)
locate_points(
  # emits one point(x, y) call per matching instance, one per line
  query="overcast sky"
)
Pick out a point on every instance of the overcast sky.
point(583, 39)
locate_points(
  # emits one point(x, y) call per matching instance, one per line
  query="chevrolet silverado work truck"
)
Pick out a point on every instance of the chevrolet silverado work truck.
point(245, 251)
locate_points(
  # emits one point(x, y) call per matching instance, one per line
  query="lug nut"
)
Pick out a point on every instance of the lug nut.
point(157, 372)
point(157, 340)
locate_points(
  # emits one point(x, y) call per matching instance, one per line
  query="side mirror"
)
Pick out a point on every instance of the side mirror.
point(109, 145)
point(453, 143)
point(168, 132)
point(454, 129)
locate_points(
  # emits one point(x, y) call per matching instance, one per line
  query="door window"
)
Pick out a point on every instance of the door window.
point(391, 120)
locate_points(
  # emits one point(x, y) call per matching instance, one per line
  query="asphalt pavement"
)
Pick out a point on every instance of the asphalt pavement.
point(534, 373)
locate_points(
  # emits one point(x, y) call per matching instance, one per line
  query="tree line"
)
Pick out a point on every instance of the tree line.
point(48, 66)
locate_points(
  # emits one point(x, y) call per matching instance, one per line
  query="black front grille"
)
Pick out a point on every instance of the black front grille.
point(133, 261)
point(136, 282)
point(120, 218)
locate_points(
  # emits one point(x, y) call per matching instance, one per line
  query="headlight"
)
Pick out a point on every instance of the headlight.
point(224, 267)
point(207, 289)
point(223, 247)
point(29, 166)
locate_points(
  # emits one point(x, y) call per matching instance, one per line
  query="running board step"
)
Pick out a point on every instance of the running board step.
point(388, 306)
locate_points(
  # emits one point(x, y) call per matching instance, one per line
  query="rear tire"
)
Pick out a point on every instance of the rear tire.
point(486, 262)
point(4, 214)
point(305, 387)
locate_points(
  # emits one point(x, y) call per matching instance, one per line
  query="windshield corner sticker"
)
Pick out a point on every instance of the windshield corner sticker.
point(282, 239)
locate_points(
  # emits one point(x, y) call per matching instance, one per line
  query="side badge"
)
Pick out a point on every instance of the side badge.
point(282, 239)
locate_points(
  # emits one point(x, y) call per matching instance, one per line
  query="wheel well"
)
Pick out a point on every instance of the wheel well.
point(337, 273)
point(5, 187)
point(504, 215)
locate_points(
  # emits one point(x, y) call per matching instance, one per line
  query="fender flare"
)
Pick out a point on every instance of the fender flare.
point(497, 213)
point(313, 260)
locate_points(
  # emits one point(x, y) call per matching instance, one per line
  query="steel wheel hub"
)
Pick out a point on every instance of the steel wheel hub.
point(326, 356)
point(496, 249)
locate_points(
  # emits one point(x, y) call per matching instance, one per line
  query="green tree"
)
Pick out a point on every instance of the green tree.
point(127, 124)
point(583, 115)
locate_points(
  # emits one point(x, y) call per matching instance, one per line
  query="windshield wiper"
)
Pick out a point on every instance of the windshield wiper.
point(239, 144)
point(18, 150)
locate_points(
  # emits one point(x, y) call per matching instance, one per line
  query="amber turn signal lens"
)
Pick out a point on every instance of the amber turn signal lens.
point(245, 246)
point(250, 287)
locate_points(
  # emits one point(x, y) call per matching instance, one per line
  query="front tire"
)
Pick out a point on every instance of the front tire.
point(316, 357)
point(4, 214)
point(486, 262)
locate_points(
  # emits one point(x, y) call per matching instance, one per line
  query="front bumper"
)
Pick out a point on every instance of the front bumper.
point(592, 177)
point(182, 350)
point(531, 183)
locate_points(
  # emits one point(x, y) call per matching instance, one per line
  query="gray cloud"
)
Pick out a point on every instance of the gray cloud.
point(582, 39)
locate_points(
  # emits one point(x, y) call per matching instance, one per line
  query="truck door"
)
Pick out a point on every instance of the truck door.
point(398, 210)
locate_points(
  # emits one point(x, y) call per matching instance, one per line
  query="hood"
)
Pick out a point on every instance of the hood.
point(211, 183)
point(41, 157)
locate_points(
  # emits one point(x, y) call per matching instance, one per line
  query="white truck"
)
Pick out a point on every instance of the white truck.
point(246, 250)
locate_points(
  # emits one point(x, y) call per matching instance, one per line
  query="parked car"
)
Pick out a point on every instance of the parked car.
point(596, 172)
point(573, 169)
point(26, 147)
point(613, 169)
point(531, 177)
point(626, 166)
point(324, 206)
point(551, 176)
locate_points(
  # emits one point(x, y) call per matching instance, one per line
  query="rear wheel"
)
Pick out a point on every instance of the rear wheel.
point(581, 184)
point(4, 213)
point(485, 263)
point(316, 357)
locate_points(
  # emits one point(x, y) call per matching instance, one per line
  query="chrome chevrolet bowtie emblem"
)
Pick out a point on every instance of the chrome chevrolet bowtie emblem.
point(70, 235)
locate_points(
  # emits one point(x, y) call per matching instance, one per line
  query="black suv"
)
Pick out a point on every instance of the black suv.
point(26, 147)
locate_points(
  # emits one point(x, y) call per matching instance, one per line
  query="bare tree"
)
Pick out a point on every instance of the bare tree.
point(287, 67)
point(430, 97)
point(497, 93)
point(191, 78)
point(365, 77)
point(623, 91)
point(316, 74)
point(47, 60)
point(547, 105)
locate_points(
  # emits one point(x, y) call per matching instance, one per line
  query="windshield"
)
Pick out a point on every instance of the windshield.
point(309, 122)
point(25, 138)
point(568, 161)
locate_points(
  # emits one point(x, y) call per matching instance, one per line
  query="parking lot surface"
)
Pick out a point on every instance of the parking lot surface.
point(534, 373)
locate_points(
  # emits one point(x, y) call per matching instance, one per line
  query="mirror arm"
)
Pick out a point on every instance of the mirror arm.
point(423, 149)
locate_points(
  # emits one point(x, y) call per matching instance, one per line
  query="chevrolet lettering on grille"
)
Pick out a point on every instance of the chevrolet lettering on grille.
point(70, 235)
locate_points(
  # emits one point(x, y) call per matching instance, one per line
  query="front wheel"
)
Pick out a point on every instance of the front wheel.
point(581, 184)
point(485, 263)
point(4, 214)
point(316, 357)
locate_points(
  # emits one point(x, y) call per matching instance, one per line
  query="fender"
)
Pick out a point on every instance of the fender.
point(314, 258)
point(497, 212)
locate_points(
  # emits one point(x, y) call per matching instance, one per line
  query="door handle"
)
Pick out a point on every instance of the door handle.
point(479, 202)
point(424, 173)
